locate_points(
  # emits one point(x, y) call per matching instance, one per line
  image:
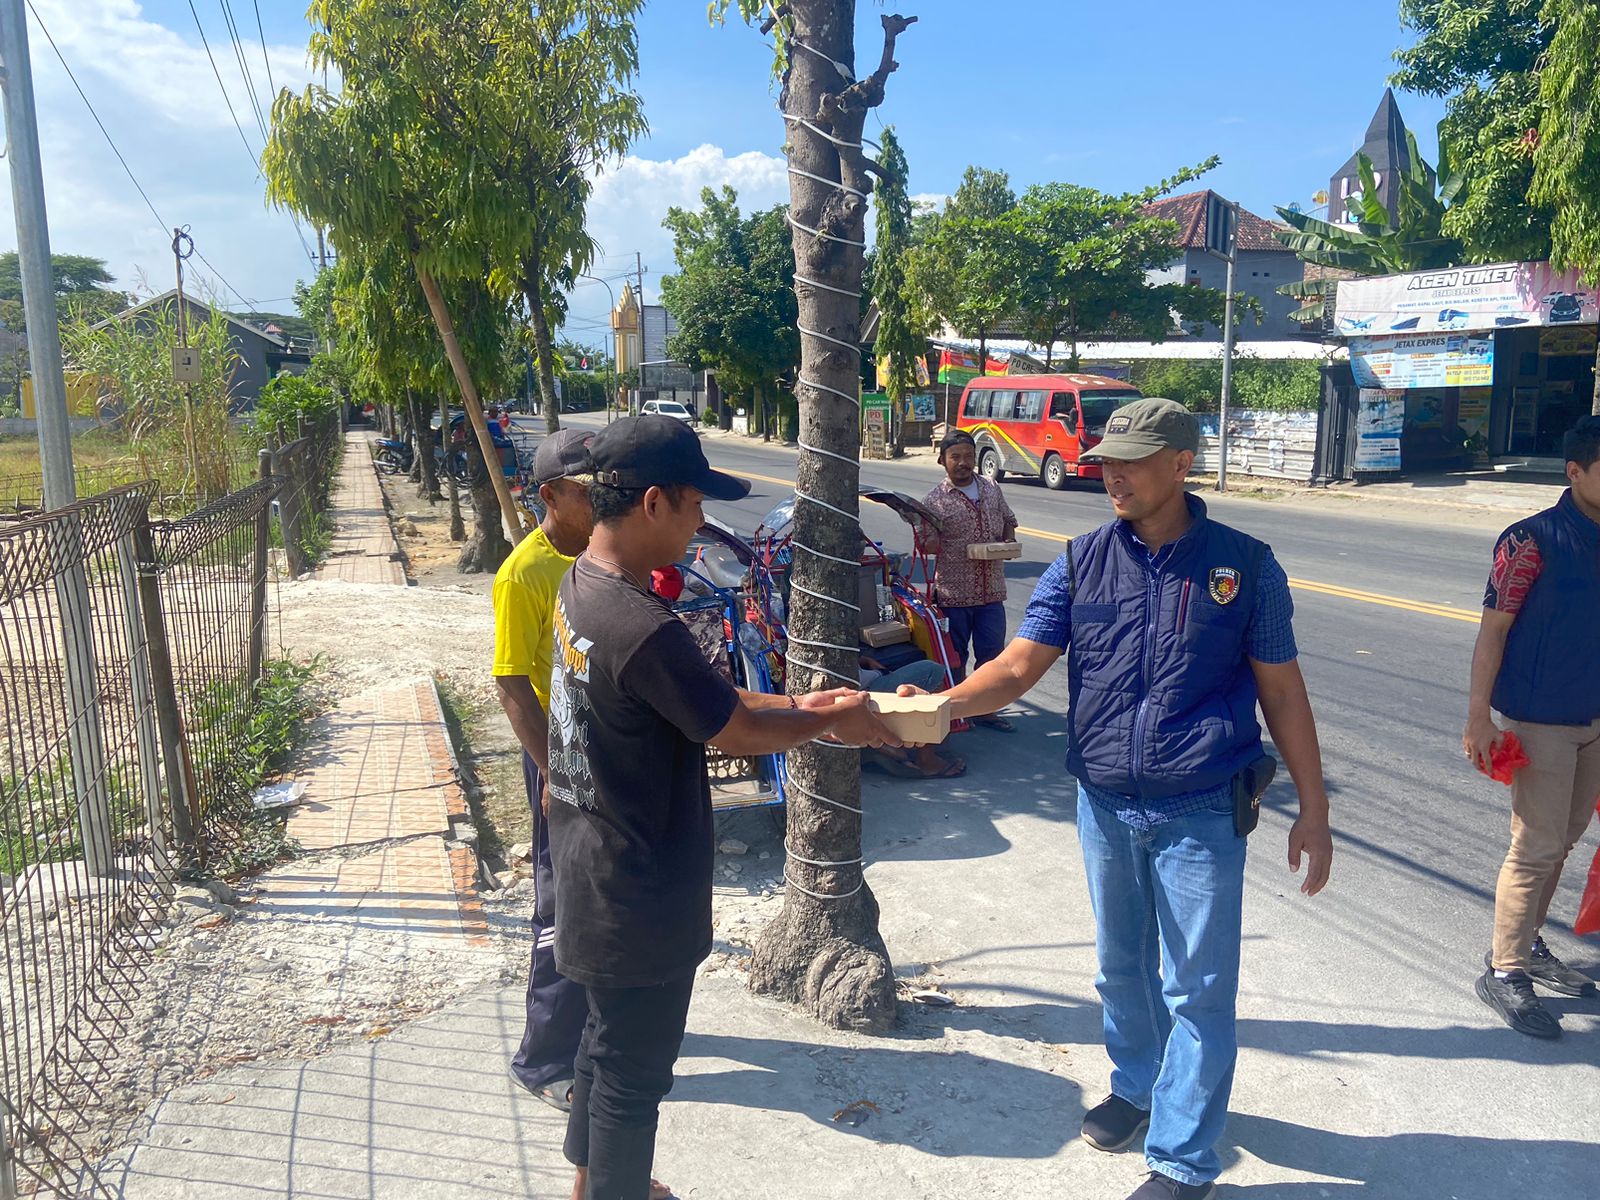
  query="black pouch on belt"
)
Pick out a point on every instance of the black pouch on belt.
point(1248, 787)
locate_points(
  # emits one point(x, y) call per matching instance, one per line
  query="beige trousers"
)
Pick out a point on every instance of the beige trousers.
point(1552, 799)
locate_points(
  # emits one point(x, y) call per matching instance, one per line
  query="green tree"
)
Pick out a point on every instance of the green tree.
point(1376, 246)
point(81, 295)
point(968, 270)
point(1085, 260)
point(376, 165)
point(902, 337)
point(826, 953)
point(1567, 163)
point(1483, 56)
point(733, 296)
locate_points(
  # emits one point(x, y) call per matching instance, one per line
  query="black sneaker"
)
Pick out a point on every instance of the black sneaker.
point(1513, 998)
point(1112, 1124)
point(1550, 973)
point(1164, 1187)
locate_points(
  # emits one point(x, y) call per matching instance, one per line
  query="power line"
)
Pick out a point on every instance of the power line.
point(262, 33)
point(227, 99)
point(110, 141)
point(244, 67)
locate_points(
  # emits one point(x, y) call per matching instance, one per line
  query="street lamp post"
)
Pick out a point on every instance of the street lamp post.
point(611, 392)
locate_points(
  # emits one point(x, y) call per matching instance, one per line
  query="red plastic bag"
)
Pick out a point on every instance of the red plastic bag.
point(1589, 907)
point(1506, 758)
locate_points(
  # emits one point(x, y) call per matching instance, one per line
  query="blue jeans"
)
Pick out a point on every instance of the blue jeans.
point(1176, 892)
point(983, 627)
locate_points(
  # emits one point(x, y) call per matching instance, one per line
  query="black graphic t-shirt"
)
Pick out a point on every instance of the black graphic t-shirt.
point(632, 703)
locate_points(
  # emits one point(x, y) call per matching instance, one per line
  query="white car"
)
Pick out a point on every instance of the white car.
point(669, 408)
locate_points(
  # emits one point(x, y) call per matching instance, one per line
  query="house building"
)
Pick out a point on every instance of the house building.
point(262, 355)
point(1264, 265)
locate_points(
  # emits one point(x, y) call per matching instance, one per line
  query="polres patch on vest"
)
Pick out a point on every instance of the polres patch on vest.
point(1118, 425)
point(1224, 584)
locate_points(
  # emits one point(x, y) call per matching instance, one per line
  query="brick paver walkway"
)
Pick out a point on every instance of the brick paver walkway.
point(363, 549)
point(380, 775)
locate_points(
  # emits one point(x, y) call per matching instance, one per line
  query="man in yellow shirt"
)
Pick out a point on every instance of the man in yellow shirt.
point(524, 609)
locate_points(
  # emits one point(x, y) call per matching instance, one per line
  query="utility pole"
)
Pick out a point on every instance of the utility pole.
point(85, 742)
point(322, 250)
point(1222, 239)
point(33, 253)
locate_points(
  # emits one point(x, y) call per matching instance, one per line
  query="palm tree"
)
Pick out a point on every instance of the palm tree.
point(1415, 241)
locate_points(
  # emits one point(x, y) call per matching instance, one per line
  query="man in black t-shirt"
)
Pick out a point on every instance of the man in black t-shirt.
point(633, 703)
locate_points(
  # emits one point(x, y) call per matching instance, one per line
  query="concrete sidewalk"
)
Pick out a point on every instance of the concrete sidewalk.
point(1368, 1069)
point(362, 549)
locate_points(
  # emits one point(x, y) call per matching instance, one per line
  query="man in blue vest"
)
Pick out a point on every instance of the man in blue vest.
point(1537, 664)
point(1175, 627)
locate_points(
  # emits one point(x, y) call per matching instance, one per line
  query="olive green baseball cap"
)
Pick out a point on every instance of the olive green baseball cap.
point(1142, 428)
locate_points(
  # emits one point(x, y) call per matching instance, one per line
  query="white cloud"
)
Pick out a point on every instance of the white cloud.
point(155, 90)
point(630, 201)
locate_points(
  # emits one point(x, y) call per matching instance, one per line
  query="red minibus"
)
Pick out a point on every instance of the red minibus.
point(1039, 425)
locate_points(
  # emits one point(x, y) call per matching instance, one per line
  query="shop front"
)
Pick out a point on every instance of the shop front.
point(1468, 366)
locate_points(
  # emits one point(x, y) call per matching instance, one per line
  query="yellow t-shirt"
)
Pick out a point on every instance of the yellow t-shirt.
point(524, 611)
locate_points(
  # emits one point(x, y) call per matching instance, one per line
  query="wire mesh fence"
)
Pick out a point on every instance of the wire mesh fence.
point(131, 652)
point(84, 843)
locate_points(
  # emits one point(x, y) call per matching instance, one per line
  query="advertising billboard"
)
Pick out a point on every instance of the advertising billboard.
point(1494, 296)
point(1425, 361)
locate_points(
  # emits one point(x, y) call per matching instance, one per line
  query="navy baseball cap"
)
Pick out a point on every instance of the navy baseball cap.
point(658, 451)
point(563, 455)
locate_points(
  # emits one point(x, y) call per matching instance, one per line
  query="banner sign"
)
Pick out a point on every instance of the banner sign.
point(1568, 339)
point(1379, 420)
point(1497, 296)
point(1432, 360)
point(921, 406)
point(958, 368)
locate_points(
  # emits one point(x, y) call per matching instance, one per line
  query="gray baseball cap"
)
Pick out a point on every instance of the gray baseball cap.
point(1144, 427)
point(564, 454)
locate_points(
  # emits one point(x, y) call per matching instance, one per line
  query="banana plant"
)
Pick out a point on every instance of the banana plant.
point(1378, 244)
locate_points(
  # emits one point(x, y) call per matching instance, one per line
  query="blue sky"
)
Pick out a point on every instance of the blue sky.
point(1111, 96)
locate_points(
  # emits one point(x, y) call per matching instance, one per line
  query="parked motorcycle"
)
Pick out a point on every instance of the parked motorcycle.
point(394, 455)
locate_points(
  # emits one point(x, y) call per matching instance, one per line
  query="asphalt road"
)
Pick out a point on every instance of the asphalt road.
point(1373, 976)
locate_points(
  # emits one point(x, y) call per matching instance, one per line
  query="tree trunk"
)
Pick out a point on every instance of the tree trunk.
point(408, 432)
point(533, 292)
point(1594, 406)
point(983, 352)
point(422, 436)
point(763, 414)
point(469, 400)
point(487, 548)
point(824, 950)
point(458, 529)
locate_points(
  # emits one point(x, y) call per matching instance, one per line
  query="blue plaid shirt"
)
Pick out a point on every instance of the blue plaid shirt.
point(1269, 639)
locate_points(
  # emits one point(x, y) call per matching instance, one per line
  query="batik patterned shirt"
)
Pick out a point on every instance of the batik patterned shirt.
point(959, 581)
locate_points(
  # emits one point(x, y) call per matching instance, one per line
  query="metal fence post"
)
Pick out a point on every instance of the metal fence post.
point(145, 733)
point(258, 573)
point(291, 512)
point(181, 790)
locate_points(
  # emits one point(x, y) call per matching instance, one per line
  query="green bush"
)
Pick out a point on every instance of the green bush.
point(1276, 385)
point(287, 398)
point(709, 418)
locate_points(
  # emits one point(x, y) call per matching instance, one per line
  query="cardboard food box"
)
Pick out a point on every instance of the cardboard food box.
point(994, 551)
point(886, 633)
point(916, 720)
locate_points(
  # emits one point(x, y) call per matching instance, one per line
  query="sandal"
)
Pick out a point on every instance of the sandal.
point(558, 1095)
point(996, 722)
point(896, 767)
point(954, 768)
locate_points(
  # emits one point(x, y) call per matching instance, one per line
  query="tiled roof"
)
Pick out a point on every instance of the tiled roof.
point(1255, 233)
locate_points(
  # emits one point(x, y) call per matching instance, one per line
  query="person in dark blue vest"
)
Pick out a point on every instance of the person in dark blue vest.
point(1175, 627)
point(1537, 664)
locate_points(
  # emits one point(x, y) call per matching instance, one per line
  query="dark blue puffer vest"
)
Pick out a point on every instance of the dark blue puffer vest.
point(1163, 698)
point(1551, 671)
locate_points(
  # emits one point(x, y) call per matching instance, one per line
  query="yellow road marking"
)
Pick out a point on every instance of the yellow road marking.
point(1424, 607)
